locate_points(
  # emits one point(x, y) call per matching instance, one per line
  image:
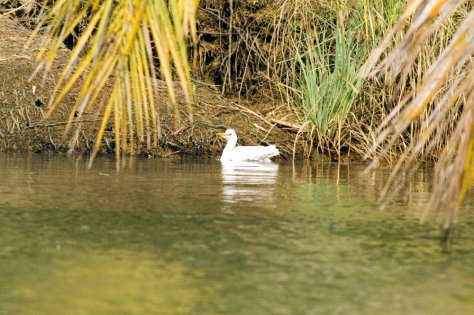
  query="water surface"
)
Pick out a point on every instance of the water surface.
point(194, 237)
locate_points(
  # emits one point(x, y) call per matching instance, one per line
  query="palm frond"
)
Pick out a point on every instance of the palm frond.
point(445, 98)
point(120, 46)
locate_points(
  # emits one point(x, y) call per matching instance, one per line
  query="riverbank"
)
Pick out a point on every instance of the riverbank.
point(25, 127)
point(283, 72)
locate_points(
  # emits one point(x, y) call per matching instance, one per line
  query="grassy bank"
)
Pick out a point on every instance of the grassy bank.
point(306, 55)
point(302, 56)
point(321, 46)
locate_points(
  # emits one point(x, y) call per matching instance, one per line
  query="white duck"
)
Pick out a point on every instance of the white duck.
point(245, 153)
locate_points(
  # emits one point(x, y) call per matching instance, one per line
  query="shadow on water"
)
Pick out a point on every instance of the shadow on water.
point(201, 237)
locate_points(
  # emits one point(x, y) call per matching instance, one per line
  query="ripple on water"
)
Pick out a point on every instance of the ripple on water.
point(196, 237)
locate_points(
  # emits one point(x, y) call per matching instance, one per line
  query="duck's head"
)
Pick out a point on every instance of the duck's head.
point(229, 134)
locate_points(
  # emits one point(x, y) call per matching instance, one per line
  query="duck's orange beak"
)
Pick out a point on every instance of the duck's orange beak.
point(222, 134)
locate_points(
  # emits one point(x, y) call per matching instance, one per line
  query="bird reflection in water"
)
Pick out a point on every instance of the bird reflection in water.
point(249, 183)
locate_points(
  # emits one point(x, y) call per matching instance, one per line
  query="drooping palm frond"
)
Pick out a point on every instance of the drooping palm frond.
point(119, 46)
point(442, 104)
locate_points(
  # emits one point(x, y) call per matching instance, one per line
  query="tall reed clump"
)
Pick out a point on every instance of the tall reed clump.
point(319, 47)
point(328, 85)
point(119, 46)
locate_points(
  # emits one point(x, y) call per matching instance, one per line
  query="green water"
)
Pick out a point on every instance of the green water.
point(193, 237)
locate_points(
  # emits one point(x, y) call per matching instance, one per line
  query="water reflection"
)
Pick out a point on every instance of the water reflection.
point(248, 181)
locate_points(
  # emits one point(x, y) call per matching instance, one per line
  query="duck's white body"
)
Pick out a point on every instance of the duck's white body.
point(245, 153)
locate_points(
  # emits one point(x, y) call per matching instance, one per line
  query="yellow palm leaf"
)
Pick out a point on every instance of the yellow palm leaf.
point(118, 46)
